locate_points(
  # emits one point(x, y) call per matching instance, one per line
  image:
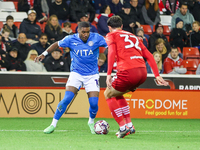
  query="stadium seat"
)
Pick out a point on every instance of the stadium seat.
point(191, 65)
point(147, 29)
point(3, 16)
point(73, 27)
point(19, 16)
point(190, 52)
point(41, 26)
point(16, 5)
point(17, 24)
point(1, 25)
point(166, 30)
point(165, 20)
point(7, 7)
point(102, 49)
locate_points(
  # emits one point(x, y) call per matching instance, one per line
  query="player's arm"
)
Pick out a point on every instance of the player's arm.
point(151, 61)
point(111, 60)
point(46, 52)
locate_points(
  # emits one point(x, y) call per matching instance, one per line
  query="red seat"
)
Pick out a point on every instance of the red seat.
point(73, 27)
point(16, 5)
point(191, 64)
point(17, 24)
point(41, 26)
point(190, 52)
point(101, 49)
point(147, 29)
point(1, 25)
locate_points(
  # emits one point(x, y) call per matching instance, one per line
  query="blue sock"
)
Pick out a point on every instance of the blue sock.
point(62, 105)
point(93, 106)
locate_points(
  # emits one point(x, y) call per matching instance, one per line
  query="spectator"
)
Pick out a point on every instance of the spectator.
point(102, 20)
point(102, 65)
point(98, 4)
point(178, 36)
point(67, 56)
point(173, 64)
point(5, 37)
point(24, 6)
point(171, 6)
point(156, 35)
point(4, 64)
point(78, 8)
point(158, 58)
point(2, 45)
point(60, 9)
point(140, 33)
point(56, 62)
point(30, 28)
point(42, 10)
point(137, 11)
point(22, 46)
point(195, 35)
point(42, 45)
point(129, 24)
point(66, 30)
point(31, 65)
point(115, 6)
point(195, 11)
point(184, 14)
point(151, 12)
point(11, 27)
point(84, 17)
point(161, 48)
point(15, 62)
point(53, 29)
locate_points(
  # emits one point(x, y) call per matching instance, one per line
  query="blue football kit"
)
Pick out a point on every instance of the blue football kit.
point(84, 55)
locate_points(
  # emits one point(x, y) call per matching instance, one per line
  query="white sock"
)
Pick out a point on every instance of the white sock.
point(90, 120)
point(129, 125)
point(54, 122)
point(122, 128)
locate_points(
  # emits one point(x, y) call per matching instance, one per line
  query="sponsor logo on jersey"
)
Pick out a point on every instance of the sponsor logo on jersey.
point(90, 43)
point(84, 52)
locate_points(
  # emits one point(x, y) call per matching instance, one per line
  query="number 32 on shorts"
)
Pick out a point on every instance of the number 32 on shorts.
point(97, 82)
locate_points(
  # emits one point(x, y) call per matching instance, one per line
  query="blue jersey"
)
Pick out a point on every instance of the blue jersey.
point(84, 55)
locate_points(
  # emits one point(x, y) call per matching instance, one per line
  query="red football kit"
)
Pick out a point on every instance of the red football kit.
point(129, 51)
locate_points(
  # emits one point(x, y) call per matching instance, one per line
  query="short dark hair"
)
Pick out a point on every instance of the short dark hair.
point(184, 3)
point(103, 8)
point(174, 47)
point(43, 34)
point(115, 21)
point(67, 24)
point(9, 18)
point(83, 24)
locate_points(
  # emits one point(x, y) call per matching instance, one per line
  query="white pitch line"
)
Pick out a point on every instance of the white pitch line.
point(109, 131)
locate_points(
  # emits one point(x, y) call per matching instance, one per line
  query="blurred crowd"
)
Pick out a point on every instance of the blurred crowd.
point(19, 45)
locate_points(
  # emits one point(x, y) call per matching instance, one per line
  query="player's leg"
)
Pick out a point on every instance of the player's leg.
point(91, 84)
point(117, 112)
point(72, 87)
point(126, 113)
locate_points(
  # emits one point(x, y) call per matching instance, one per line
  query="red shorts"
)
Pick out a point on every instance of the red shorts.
point(129, 79)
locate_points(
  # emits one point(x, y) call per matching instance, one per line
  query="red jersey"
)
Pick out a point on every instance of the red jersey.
point(128, 51)
point(170, 64)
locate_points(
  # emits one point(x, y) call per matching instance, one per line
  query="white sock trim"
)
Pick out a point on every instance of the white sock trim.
point(54, 122)
point(90, 120)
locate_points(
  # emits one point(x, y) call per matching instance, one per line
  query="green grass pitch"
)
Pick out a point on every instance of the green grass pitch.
point(74, 133)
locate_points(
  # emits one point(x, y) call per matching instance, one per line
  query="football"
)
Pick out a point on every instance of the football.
point(101, 127)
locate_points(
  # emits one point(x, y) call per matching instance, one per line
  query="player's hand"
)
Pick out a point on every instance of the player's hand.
point(39, 58)
point(161, 81)
point(109, 81)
